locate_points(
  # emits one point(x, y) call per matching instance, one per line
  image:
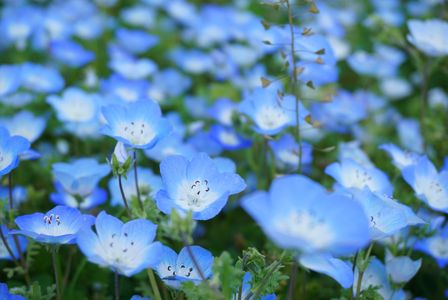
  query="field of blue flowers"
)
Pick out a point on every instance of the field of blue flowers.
point(226, 149)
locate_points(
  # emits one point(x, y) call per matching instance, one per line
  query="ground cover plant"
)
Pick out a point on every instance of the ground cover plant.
point(227, 149)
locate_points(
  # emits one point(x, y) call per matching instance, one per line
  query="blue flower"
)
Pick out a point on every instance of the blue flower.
point(148, 182)
point(174, 269)
point(401, 269)
point(228, 137)
point(192, 61)
point(429, 185)
point(26, 125)
point(223, 110)
point(41, 79)
point(9, 79)
point(136, 41)
point(10, 149)
point(126, 248)
point(436, 246)
point(5, 295)
point(19, 194)
point(337, 269)
point(297, 213)
point(400, 158)
point(161, 88)
point(410, 135)
point(170, 145)
point(196, 186)
point(120, 88)
point(81, 176)
point(429, 36)
point(132, 68)
point(4, 254)
point(203, 142)
point(71, 53)
point(138, 124)
point(270, 113)
point(386, 216)
point(97, 197)
point(58, 226)
point(287, 151)
point(349, 174)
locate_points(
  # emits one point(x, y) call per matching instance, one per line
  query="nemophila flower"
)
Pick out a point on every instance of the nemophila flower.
point(395, 88)
point(10, 149)
point(297, 213)
point(196, 185)
point(246, 288)
point(41, 79)
point(81, 176)
point(174, 269)
point(9, 79)
point(125, 248)
point(428, 184)
point(375, 276)
point(386, 216)
point(136, 297)
point(58, 226)
point(192, 61)
point(352, 150)
point(400, 158)
point(137, 124)
point(19, 195)
point(228, 137)
point(436, 246)
point(337, 269)
point(410, 135)
point(17, 25)
point(71, 53)
point(22, 243)
point(437, 98)
point(97, 197)
point(5, 295)
point(172, 144)
point(148, 182)
point(139, 15)
point(25, 124)
point(350, 174)
point(202, 141)
point(287, 151)
point(121, 88)
point(160, 90)
point(132, 68)
point(270, 113)
point(401, 269)
point(345, 110)
point(91, 27)
point(136, 41)
point(429, 36)
point(223, 110)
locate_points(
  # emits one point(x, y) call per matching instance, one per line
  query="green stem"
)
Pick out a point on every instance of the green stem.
point(57, 273)
point(77, 274)
point(117, 285)
point(137, 188)
point(123, 196)
point(154, 286)
point(362, 269)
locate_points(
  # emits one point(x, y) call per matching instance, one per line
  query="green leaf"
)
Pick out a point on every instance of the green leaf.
point(228, 275)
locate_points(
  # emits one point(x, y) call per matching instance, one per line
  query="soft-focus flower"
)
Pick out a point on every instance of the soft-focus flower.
point(97, 197)
point(10, 149)
point(58, 226)
point(287, 152)
point(196, 185)
point(81, 176)
point(400, 158)
point(22, 243)
point(170, 145)
point(41, 79)
point(297, 213)
point(174, 269)
point(26, 125)
point(125, 248)
point(429, 36)
point(9, 79)
point(436, 246)
point(228, 137)
point(138, 124)
point(246, 288)
point(401, 269)
point(70, 53)
point(5, 295)
point(136, 41)
point(429, 185)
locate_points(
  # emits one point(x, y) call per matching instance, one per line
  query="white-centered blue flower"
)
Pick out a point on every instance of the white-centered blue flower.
point(428, 184)
point(174, 269)
point(126, 248)
point(297, 213)
point(138, 124)
point(429, 36)
point(9, 79)
point(10, 149)
point(436, 246)
point(25, 124)
point(196, 185)
point(401, 269)
point(400, 158)
point(58, 226)
point(4, 253)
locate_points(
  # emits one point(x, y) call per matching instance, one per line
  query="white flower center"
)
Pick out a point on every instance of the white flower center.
point(271, 117)
point(136, 132)
point(306, 225)
point(196, 195)
point(439, 247)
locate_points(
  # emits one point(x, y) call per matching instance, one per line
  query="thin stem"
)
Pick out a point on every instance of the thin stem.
point(68, 267)
point(123, 196)
point(424, 99)
point(5, 242)
point(154, 286)
point(54, 254)
point(117, 285)
point(362, 269)
point(77, 274)
point(11, 200)
point(294, 84)
point(255, 295)
point(137, 188)
point(292, 281)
